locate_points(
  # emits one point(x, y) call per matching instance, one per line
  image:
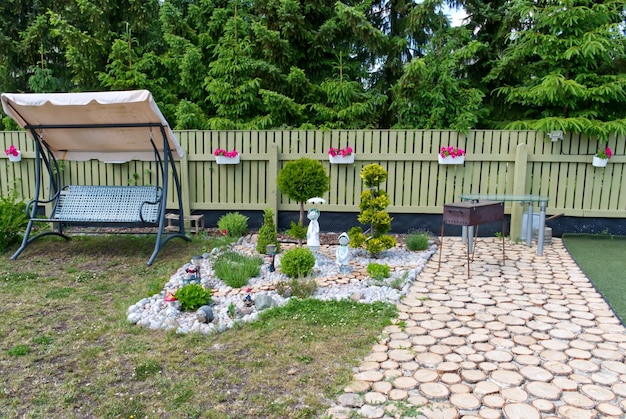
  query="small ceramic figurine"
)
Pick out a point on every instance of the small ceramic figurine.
point(192, 271)
point(313, 232)
point(343, 253)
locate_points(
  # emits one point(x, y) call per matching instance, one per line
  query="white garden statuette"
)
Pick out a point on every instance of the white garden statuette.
point(343, 253)
point(313, 232)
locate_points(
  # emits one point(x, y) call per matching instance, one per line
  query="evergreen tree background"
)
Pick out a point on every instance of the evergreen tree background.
point(212, 64)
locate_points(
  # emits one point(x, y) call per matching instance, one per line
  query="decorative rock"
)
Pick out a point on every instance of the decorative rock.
point(263, 301)
point(371, 412)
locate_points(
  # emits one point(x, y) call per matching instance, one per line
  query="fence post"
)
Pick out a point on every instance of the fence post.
point(519, 188)
point(272, 176)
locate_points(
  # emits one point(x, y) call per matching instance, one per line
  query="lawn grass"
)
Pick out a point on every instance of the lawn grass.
point(601, 257)
point(68, 351)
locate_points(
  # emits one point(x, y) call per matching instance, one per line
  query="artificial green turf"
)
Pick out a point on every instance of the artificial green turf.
point(603, 259)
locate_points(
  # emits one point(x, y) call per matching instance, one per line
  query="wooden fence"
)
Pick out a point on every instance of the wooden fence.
point(497, 162)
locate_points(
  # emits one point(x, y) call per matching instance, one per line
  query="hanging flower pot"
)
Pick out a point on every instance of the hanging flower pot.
point(601, 158)
point(13, 154)
point(226, 157)
point(599, 162)
point(451, 159)
point(341, 155)
point(228, 160)
point(16, 158)
point(451, 155)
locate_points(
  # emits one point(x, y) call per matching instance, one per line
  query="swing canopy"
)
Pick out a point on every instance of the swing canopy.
point(112, 127)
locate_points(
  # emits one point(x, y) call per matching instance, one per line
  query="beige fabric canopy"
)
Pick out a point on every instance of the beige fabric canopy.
point(108, 126)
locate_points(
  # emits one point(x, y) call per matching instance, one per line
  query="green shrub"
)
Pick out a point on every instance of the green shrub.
point(267, 233)
point(192, 297)
point(357, 238)
point(417, 241)
point(303, 179)
point(297, 231)
point(378, 271)
point(13, 220)
point(376, 245)
point(234, 224)
point(235, 269)
point(297, 262)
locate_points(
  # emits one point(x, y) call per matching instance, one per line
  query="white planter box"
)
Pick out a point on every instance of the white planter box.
point(341, 159)
point(451, 160)
point(228, 160)
point(598, 162)
point(15, 158)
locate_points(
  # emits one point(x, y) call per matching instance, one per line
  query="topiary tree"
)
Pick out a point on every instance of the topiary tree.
point(373, 203)
point(267, 232)
point(303, 179)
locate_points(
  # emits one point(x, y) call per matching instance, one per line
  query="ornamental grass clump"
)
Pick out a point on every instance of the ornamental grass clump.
point(378, 271)
point(417, 241)
point(233, 224)
point(235, 269)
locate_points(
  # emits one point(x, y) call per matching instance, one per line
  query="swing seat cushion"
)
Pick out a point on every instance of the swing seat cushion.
point(108, 204)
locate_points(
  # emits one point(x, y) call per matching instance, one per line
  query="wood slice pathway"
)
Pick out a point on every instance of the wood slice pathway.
point(528, 339)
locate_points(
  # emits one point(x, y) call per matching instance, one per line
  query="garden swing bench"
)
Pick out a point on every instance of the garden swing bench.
point(112, 127)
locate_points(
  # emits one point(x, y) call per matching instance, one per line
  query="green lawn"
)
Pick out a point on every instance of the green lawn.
point(603, 259)
point(67, 350)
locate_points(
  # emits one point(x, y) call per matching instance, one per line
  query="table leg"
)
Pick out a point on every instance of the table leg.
point(529, 225)
point(542, 228)
point(470, 239)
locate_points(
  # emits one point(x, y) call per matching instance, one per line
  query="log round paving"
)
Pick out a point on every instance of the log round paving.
point(528, 339)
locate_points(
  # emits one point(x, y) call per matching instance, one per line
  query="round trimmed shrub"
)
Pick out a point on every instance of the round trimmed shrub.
point(297, 263)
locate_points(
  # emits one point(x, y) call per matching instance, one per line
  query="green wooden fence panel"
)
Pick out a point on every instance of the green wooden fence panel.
point(416, 184)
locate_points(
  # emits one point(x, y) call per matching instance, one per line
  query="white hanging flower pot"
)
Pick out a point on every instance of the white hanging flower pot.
point(451, 160)
point(15, 158)
point(598, 162)
point(228, 160)
point(339, 159)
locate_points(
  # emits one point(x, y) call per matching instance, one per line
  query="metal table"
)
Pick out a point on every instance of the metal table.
point(528, 200)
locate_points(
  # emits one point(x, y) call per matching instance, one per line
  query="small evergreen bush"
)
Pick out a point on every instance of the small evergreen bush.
point(378, 271)
point(192, 297)
point(417, 241)
point(297, 262)
point(13, 220)
point(297, 231)
point(235, 269)
point(233, 224)
point(267, 233)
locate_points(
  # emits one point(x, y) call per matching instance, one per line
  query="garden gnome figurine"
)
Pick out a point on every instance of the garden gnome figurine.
point(313, 232)
point(343, 253)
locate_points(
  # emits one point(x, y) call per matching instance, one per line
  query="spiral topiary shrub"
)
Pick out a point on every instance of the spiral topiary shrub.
point(373, 203)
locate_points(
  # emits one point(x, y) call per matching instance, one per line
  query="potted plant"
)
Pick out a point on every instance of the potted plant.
point(451, 155)
point(13, 153)
point(341, 155)
point(226, 157)
point(601, 157)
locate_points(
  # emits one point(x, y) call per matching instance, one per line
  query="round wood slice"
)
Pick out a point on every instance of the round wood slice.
point(519, 410)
